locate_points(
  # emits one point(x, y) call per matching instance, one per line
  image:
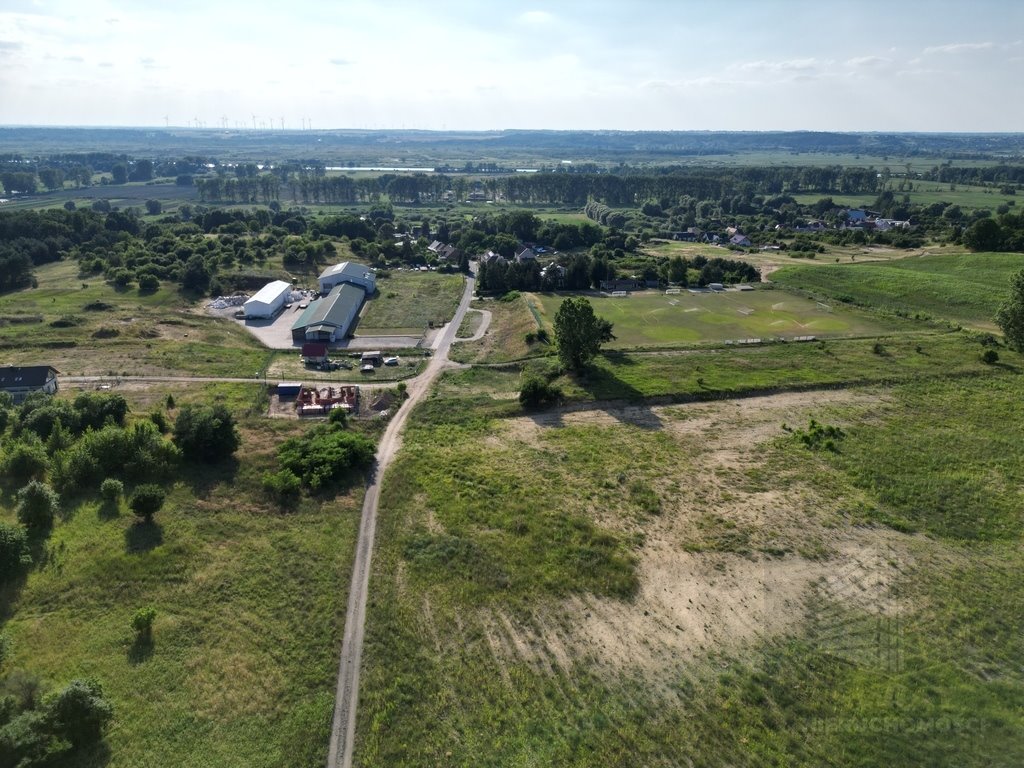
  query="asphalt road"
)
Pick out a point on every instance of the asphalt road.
point(343, 727)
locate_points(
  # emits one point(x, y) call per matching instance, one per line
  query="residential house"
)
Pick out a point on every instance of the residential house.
point(21, 380)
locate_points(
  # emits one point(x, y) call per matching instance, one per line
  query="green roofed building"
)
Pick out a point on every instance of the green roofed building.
point(330, 318)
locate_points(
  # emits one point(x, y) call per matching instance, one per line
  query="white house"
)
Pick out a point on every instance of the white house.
point(268, 300)
point(348, 272)
point(21, 380)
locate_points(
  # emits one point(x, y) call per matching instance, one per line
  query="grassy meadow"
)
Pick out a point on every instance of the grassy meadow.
point(85, 326)
point(250, 603)
point(406, 302)
point(652, 318)
point(964, 288)
point(517, 555)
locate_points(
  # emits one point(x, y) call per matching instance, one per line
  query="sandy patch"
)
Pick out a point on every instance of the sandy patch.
point(724, 565)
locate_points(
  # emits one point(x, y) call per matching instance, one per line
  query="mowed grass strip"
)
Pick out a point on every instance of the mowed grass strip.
point(707, 374)
point(652, 318)
point(250, 603)
point(962, 288)
point(409, 301)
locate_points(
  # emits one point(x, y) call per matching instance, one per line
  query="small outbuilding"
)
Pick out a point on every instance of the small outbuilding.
point(22, 380)
point(268, 301)
point(314, 352)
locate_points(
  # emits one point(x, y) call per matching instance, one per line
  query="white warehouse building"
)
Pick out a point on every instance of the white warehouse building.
point(268, 300)
point(348, 272)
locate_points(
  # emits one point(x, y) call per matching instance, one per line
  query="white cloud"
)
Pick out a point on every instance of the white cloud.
point(868, 62)
point(959, 48)
point(536, 17)
point(787, 65)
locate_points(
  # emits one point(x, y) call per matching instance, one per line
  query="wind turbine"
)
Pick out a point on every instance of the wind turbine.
point(254, 122)
point(166, 123)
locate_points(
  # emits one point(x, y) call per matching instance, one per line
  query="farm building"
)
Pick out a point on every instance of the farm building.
point(314, 352)
point(268, 300)
point(22, 380)
point(351, 273)
point(330, 318)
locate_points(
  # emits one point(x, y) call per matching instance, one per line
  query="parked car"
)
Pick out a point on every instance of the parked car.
point(390, 361)
point(366, 368)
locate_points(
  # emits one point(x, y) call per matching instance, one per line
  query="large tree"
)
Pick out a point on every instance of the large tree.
point(1010, 316)
point(579, 332)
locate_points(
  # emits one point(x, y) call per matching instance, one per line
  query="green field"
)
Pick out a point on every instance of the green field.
point(964, 288)
point(924, 193)
point(407, 301)
point(250, 603)
point(532, 581)
point(85, 326)
point(652, 318)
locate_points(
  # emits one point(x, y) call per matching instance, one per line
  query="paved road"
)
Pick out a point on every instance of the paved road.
point(343, 727)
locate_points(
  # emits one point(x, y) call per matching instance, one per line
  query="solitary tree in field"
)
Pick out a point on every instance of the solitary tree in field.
point(1010, 316)
point(579, 333)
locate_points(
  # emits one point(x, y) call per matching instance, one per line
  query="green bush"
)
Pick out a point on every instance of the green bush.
point(147, 501)
point(205, 433)
point(325, 455)
point(111, 490)
point(990, 357)
point(37, 505)
point(537, 393)
point(26, 460)
point(142, 622)
point(14, 553)
point(283, 486)
point(80, 712)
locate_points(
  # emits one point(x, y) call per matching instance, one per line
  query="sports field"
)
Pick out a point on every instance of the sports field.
point(654, 318)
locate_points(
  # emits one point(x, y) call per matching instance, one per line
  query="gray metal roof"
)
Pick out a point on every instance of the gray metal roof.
point(348, 269)
point(334, 309)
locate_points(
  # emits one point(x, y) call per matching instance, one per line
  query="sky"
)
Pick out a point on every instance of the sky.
point(863, 65)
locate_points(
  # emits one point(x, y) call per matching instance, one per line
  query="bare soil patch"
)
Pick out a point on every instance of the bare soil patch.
point(727, 562)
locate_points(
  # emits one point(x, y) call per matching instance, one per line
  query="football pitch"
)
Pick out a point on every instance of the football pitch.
point(648, 318)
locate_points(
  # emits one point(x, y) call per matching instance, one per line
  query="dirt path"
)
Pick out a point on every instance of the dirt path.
point(485, 323)
point(343, 727)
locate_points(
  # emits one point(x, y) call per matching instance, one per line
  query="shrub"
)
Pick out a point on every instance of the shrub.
point(325, 455)
point(159, 420)
point(283, 486)
point(149, 284)
point(80, 712)
point(990, 357)
point(111, 490)
point(142, 622)
point(819, 435)
point(26, 460)
point(537, 393)
point(338, 417)
point(37, 505)
point(147, 500)
point(205, 433)
point(14, 554)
